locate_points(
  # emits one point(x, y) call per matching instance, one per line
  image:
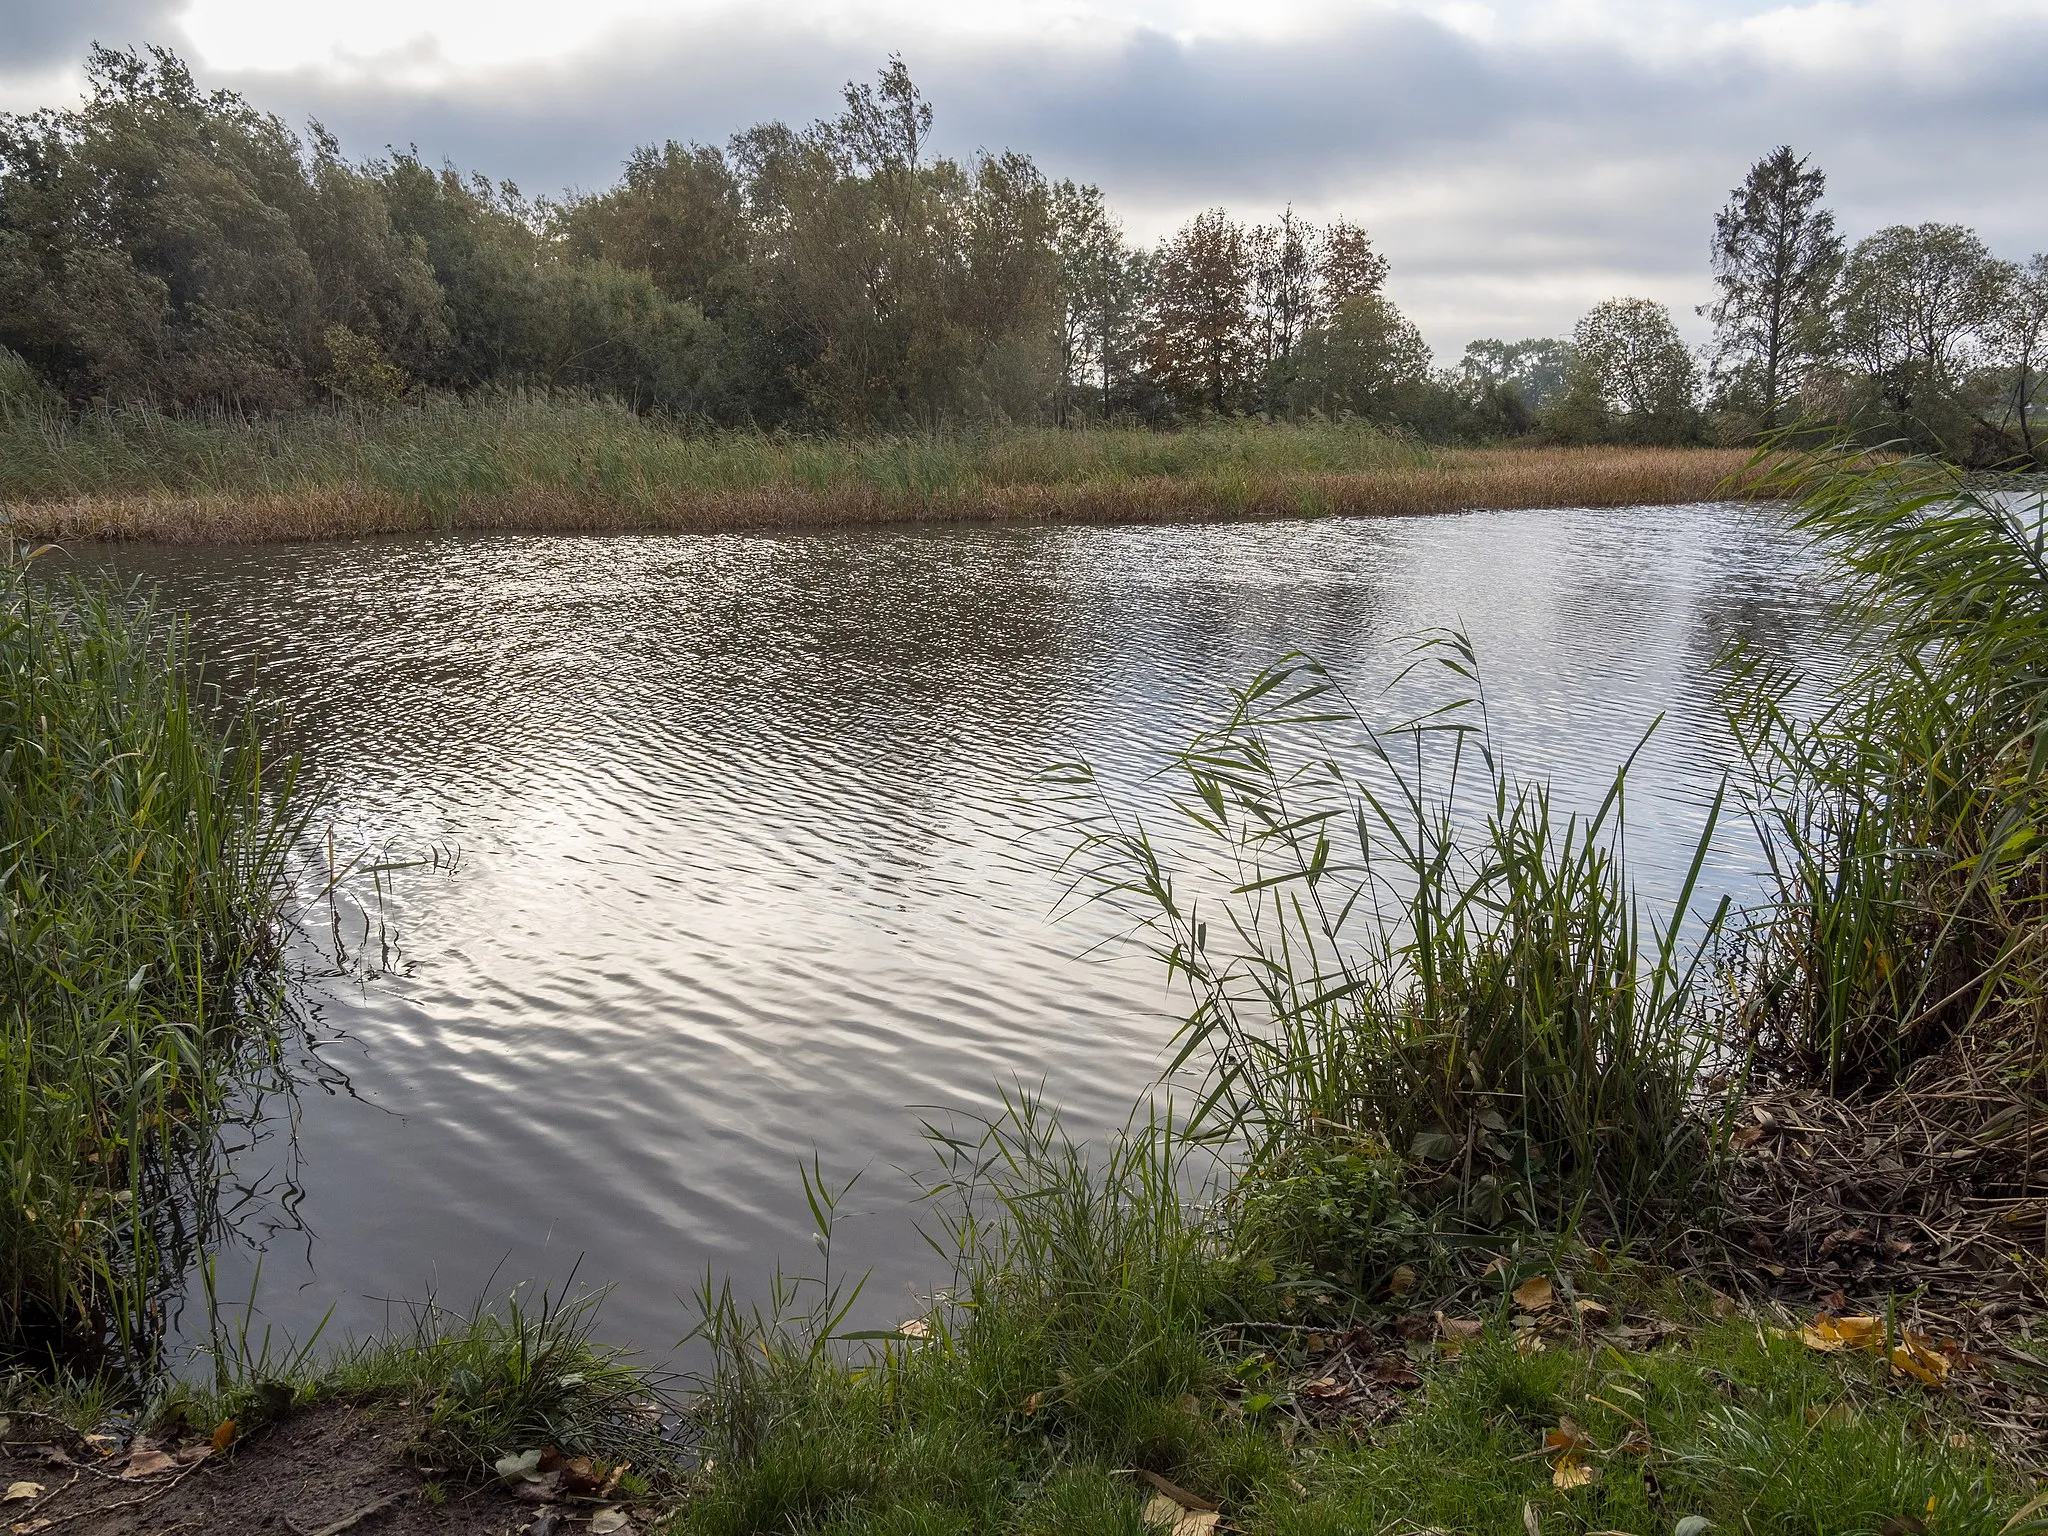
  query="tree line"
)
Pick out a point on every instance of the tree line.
point(165, 245)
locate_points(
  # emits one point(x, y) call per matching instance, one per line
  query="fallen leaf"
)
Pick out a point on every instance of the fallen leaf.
point(1458, 1330)
point(915, 1328)
point(1393, 1371)
point(192, 1455)
point(1692, 1525)
point(548, 1522)
point(1918, 1357)
point(1402, 1280)
point(1721, 1306)
point(148, 1464)
point(517, 1467)
point(1166, 1488)
point(1567, 1437)
point(1163, 1514)
point(1570, 1473)
point(1326, 1387)
point(580, 1476)
point(539, 1490)
point(41, 1523)
point(1835, 1415)
point(223, 1434)
point(1828, 1333)
point(1591, 1313)
point(1034, 1402)
point(610, 1520)
point(1535, 1295)
point(18, 1492)
point(1531, 1521)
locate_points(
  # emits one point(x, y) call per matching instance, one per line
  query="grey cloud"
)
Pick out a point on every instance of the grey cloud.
point(1561, 173)
point(36, 34)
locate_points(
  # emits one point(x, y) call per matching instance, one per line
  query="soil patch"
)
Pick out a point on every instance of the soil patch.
point(328, 1470)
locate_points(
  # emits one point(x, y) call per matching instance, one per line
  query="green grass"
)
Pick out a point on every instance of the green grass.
point(1106, 1332)
point(141, 847)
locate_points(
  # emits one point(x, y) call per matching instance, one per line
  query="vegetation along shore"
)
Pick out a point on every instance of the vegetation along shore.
point(537, 464)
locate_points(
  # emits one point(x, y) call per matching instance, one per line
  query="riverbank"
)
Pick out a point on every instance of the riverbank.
point(579, 466)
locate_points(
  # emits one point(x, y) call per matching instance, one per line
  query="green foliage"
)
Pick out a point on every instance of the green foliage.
point(141, 853)
point(1903, 816)
point(1631, 379)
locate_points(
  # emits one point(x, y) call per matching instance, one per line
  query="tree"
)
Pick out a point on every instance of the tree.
point(1366, 360)
point(2019, 347)
point(175, 245)
point(1918, 306)
point(1511, 383)
point(1201, 338)
point(1775, 257)
point(1103, 287)
point(1631, 377)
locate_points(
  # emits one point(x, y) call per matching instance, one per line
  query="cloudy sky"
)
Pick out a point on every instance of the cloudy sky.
point(1517, 160)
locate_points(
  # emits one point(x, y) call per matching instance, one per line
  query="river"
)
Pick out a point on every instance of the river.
point(724, 855)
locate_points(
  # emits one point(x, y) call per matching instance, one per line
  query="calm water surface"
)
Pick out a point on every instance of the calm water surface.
point(735, 825)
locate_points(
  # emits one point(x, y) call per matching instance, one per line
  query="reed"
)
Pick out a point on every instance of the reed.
point(141, 845)
point(1903, 808)
point(553, 464)
point(1390, 942)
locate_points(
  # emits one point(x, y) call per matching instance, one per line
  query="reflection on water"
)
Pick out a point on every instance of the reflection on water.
point(736, 822)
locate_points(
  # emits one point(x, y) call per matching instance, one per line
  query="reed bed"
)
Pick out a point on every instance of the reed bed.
point(141, 846)
point(576, 466)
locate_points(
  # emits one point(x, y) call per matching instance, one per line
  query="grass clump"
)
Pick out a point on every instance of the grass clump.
point(1904, 817)
point(1390, 943)
point(141, 852)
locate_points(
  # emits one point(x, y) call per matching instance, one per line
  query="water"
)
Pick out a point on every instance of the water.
point(735, 829)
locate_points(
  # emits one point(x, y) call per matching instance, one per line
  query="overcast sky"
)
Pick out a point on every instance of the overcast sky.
point(1516, 160)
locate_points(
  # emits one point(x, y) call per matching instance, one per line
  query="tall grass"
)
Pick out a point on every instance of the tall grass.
point(556, 463)
point(1906, 814)
point(1387, 938)
point(141, 844)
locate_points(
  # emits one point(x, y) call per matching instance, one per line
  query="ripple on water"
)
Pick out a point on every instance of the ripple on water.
point(739, 823)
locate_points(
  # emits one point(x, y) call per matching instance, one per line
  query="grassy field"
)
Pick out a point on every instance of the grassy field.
point(567, 465)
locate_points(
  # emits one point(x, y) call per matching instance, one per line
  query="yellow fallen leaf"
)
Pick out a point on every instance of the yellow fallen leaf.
point(17, 1492)
point(1592, 1313)
point(1402, 1280)
point(1917, 1357)
point(223, 1434)
point(1570, 1473)
point(1829, 1333)
point(915, 1328)
point(1535, 1295)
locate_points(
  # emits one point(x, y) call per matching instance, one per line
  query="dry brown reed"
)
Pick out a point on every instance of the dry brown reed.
point(1454, 480)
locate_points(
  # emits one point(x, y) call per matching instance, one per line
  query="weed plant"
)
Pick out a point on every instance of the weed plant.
point(142, 842)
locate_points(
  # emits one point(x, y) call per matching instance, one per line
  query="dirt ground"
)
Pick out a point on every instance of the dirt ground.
point(325, 1471)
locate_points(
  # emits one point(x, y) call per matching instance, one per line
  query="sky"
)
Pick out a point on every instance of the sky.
point(1517, 161)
